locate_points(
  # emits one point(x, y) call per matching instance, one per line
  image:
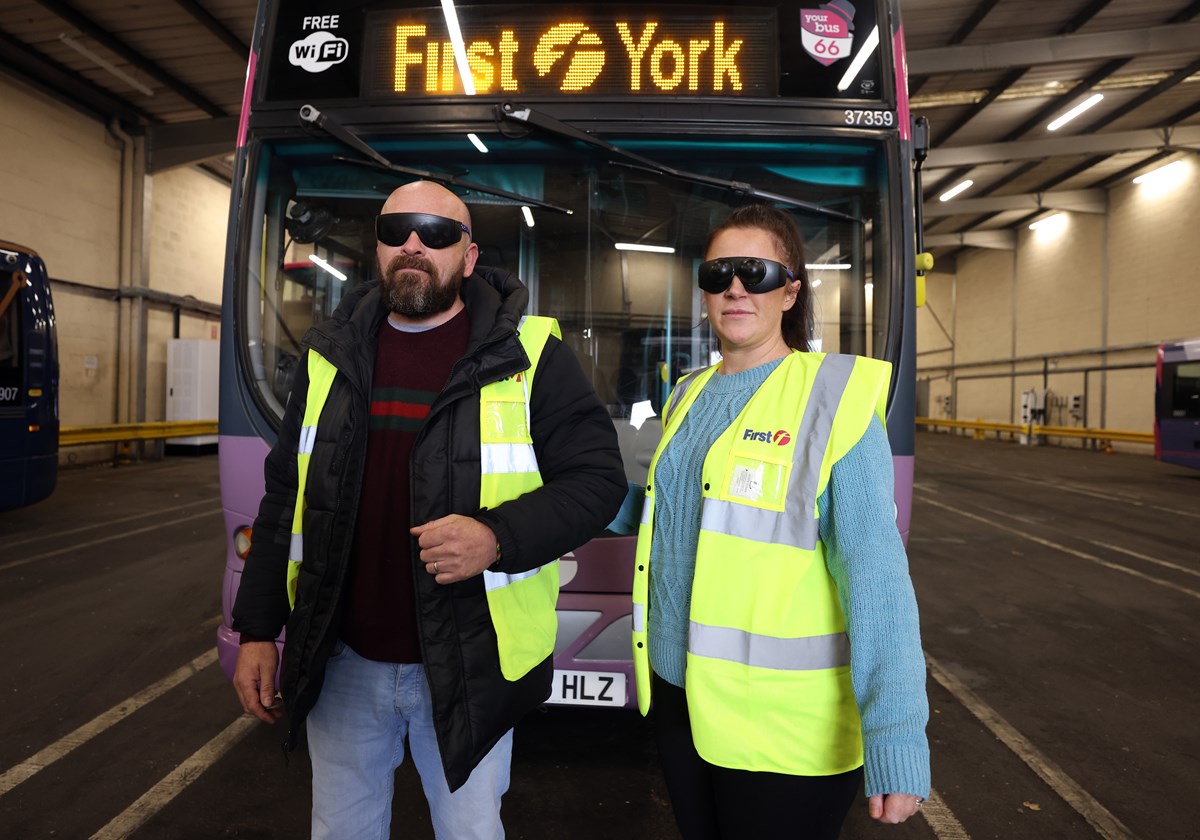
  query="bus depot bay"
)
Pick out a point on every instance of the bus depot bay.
point(595, 146)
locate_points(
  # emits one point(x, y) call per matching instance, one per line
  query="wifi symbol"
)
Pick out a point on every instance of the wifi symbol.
point(585, 64)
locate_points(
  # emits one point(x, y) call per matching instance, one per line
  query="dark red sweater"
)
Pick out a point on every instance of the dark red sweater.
point(411, 368)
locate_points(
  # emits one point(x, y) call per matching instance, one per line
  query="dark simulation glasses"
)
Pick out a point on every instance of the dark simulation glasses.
point(436, 232)
point(757, 275)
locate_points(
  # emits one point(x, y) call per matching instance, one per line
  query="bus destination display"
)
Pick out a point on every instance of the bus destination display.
point(799, 50)
point(551, 50)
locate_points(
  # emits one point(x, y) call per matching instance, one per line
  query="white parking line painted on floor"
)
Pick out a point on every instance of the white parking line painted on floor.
point(171, 785)
point(1082, 490)
point(43, 759)
point(1083, 555)
point(941, 819)
point(215, 500)
point(1165, 563)
point(171, 523)
point(1100, 818)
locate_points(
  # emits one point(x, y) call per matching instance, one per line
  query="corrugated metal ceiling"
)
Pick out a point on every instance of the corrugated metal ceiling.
point(179, 61)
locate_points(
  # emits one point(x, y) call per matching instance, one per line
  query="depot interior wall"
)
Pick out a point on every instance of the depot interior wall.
point(935, 340)
point(62, 198)
point(1098, 282)
point(187, 228)
point(1154, 288)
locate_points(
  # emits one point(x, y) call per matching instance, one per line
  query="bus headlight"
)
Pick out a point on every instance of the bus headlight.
point(241, 541)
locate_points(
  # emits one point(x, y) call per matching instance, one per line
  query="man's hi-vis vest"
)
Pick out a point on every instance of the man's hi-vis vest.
point(768, 660)
point(522, 604)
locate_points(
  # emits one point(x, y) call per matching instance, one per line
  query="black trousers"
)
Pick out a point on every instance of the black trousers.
point(716, 803)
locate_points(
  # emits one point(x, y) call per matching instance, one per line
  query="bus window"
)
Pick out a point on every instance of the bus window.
point(1177, 404)
point(28, 380)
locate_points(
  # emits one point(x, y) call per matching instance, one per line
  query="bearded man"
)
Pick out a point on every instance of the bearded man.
point(433, 463)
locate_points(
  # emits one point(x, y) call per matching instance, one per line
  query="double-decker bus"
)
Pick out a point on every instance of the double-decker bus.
point(28, 379)
point(595, 145)
point(1177, 404)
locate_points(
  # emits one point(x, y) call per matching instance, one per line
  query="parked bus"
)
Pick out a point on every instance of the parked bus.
point(1177, 404)
point(28, 380)
point(595, 146)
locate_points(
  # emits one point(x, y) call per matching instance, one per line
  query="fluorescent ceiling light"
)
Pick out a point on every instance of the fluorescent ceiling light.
point(1175, 168)
point(528, 215)
point(957, 189)
point(867, 50)
point(827, 266)
point(653, 249)
point(477, 143)
point(460, 49)
point(816, 282)
point(1054, 218)
point(313, 258)
point(1090, 102)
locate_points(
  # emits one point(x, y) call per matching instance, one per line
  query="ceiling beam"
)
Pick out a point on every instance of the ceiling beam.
point(1003, 240)
point(205, 19)
point(177, 144)
point(1079, 201)
point(118, 47)
point(1112, 143)
point(63, 83)
point(1132, 43)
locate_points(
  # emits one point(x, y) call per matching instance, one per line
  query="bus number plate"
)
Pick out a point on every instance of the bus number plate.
point(875, 119)
point(588, 688)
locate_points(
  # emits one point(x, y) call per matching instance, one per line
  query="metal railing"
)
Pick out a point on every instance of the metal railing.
point(123, 432)
point(1100, 436)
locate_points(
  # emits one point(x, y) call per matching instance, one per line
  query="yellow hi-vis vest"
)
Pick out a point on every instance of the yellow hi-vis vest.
point(522, 604)
point(768, 660)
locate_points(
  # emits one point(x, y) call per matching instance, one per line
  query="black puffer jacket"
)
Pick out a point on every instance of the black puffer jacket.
point(580, 464)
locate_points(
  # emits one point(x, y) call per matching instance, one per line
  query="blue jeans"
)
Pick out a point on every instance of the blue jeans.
point(356, 738)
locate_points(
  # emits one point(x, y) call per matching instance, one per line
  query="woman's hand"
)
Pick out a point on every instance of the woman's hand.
point(893, 807)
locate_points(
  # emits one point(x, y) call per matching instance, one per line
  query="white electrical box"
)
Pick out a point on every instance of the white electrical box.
point(193, 385)
point(1033, 413)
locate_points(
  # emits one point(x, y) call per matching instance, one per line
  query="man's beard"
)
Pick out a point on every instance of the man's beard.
point(413, 295)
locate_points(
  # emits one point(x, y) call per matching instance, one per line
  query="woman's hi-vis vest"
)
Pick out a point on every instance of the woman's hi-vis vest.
point(522, 604)
point(768, 660)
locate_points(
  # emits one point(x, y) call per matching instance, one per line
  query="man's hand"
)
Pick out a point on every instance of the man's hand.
point(254, 679)
point(893, 807)
point(455, 547)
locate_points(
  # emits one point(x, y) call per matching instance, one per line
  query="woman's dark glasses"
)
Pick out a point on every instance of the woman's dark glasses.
point(757, 275)
point(436, 232)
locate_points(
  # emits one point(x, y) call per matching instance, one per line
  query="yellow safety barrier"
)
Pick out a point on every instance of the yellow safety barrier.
point(1094, 434)
point(119, 432)
point(1102, 435)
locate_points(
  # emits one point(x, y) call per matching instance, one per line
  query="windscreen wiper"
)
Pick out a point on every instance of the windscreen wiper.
point(528, 116)
point(312, 116)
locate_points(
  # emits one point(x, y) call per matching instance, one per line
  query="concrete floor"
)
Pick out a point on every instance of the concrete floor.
point(1059, 602)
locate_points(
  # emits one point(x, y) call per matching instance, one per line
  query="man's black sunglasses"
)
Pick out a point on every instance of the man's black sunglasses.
point(436, 232)
point(757, 275)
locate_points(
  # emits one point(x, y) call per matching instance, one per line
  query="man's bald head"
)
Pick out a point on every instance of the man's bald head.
point(427, 197)
point(420, 283)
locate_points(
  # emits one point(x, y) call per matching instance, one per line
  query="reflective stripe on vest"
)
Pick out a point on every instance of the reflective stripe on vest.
point(796, 524)
point(808, 653)
point(521, 604)
point(767, 679)
point(320, 380)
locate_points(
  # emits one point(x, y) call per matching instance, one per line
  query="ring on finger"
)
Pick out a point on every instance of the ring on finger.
point(435, 568)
